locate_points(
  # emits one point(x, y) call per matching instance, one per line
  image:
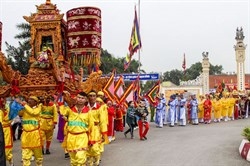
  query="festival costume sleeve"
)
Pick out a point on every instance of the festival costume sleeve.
point(1, 116)
point(33, 111)
point(55, 114)
point(64, 110)
point(103, 120)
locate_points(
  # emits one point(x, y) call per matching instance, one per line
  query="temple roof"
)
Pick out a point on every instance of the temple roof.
point(45, 12)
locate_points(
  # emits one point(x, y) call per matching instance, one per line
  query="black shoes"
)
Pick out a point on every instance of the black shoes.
point(66, 156)
point(145, 137)
point(47, 151)
point(125, 134)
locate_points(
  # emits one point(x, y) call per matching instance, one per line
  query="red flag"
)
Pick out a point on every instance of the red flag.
point(184, 63)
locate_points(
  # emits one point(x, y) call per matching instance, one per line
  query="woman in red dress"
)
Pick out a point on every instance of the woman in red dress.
point(207, 105)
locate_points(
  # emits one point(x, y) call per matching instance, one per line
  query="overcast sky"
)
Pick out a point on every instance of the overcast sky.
point(169, 28)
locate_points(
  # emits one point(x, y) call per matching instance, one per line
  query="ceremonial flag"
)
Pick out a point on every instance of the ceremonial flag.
point(126, 62)
point(184, 64)
point(128, 94)
point(109, 88)
point(136, 89)
point(151, 94)
point(119, 91)
point(135, 42)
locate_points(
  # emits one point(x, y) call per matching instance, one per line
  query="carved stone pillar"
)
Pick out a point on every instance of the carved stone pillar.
point(240, 48)
point(205, 72)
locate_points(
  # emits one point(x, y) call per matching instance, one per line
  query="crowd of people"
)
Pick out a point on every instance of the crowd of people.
point(205, 109)
point(85, 122)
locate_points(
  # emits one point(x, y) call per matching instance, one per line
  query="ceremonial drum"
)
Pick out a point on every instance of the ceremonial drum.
point(84, 35)
point(1, 36)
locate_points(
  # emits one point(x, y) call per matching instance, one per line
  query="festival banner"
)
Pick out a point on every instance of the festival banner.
point(119, 90)
point(109, 88)
point(136, 89)
point(135, 42)
point(128, 94)
point(151, 94)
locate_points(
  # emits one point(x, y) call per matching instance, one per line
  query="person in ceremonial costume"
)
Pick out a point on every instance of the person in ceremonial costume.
point(98, 132)
point(143, 125)
point(242, 106)
point(201, 108)
point(236, 105)
point(78, 125)
point(119, 118)
point(130, 119)
point(164, 102)
point(104, 109)
point(225, 106)
point(207, 105)
point(31, 131)
point(189, 109)
point(7, 131)
point(217, 105)
point(111, 117)
point(159, 113)
point(2, 146)
point(194, 109)
point(172, 110)
point(48, 120)
point(246, 106)
point(231, 102)
point(177, 111)
point(182, 110)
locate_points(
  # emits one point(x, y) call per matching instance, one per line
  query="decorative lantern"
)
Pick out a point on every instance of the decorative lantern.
point(84, 36)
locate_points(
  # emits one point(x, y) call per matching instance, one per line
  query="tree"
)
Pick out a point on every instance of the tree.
point(18, 57)
point(191, 73)
point(173, 76)
point(109, 62)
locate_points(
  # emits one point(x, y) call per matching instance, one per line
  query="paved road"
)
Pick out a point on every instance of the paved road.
point(203, 145)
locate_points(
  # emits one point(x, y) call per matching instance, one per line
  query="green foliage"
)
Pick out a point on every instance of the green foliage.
point(191, 73)
point(109, 63)
point(246, 133)
point(18, 57)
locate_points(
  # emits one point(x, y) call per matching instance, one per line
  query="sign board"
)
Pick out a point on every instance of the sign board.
point(143, 77)
point(132, 77)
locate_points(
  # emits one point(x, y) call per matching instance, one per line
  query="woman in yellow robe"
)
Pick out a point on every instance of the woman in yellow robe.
point(217, 109)
point(225, 106)
point(231, 101)
point(201, 109)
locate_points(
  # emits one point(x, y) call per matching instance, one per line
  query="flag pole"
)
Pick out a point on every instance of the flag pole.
point(139, 51)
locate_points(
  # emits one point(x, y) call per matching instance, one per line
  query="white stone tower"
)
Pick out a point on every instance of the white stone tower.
point(240, 48)
point(205, 72)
